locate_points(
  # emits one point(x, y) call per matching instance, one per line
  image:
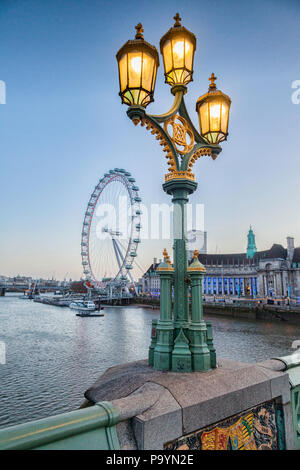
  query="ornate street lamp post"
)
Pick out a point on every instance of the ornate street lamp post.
point(183, 342)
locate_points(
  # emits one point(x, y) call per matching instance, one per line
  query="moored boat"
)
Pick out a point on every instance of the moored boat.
point(83, 306)
point(86, 309)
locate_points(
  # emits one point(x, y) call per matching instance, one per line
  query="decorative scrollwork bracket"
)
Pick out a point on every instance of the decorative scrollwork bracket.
point(177, 135)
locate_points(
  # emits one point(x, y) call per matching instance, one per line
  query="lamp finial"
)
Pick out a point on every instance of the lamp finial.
point(212, 85)
point(139, 31)
point(196, 253)
point(177, 20)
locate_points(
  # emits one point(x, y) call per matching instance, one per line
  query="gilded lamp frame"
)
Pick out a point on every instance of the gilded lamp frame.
point(180, 163)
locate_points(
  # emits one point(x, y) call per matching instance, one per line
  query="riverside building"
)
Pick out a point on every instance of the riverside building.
point(269, 273)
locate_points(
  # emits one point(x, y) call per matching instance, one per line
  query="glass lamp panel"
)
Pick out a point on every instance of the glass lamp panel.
point(189, 54)
point(170, 78)
point(177, 76)
point(148, 66)
point(123, 72)
point(167, 55)
point(215, 115)
point(213, 137)
point(134, 69)
point(128, 97)
point(154, 77)
point(144, 98)
point(136, 96)
point(224, 117)
point(179, 48)
point(203, 118)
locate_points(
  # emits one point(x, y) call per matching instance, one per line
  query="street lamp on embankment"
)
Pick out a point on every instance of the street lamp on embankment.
point(182, 341)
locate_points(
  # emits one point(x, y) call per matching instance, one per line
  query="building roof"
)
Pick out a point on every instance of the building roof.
point(152, 268)
point(275, 252)
point(296, 257)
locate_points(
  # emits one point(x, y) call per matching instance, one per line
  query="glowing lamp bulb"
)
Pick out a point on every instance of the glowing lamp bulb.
point(136, 64)
point(178, 49)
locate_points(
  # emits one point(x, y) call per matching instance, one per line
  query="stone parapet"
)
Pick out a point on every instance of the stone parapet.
point(179, 409)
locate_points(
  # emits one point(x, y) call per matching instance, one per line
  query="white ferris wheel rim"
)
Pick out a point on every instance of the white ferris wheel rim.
point(124, 177)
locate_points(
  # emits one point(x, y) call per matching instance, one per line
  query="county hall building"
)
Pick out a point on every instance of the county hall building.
point(273, 273)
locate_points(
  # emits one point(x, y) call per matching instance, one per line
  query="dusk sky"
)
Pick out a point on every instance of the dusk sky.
point(63, 125)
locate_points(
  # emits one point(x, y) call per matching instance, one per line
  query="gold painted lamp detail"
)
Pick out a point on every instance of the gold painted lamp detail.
point(166, 265)
point(182, 135)
point(195, 265)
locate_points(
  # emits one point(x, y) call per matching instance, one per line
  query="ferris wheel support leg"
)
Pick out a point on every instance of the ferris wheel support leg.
point(123, 259)
point(132, 280)
point(116, 253)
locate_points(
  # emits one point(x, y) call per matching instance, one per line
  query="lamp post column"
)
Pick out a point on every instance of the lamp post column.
point(162, 357)
point(198, 332)
point(180, 190)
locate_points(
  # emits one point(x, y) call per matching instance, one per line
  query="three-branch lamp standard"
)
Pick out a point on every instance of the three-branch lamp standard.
point(213, 110)
point(182, 341)
point(138, 61)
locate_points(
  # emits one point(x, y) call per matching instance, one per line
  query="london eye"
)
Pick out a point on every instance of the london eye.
point(111, 233)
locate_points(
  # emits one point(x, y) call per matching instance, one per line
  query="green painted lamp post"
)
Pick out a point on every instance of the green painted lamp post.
point(165, 327)
point(182, 342)
point(198, 330)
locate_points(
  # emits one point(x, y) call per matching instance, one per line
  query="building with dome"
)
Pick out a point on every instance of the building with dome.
point(270, 273)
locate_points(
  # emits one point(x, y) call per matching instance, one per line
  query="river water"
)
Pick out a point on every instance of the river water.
point(53, 356)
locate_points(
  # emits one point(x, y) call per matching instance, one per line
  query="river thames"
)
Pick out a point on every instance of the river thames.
point(53, 356)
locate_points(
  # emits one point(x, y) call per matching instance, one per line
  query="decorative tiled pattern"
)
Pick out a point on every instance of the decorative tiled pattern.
point(254, 429)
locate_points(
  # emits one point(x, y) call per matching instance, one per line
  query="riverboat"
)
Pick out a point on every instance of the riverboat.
point(85, 309)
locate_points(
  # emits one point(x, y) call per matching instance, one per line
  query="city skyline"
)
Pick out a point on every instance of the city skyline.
point(63, 113)
point(151, 256)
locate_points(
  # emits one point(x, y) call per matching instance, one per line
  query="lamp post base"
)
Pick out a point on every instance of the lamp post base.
point(181, 355)
point(162, 357)
point(200, 353)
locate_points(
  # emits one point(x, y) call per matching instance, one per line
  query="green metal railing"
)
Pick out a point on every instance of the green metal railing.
point(292, 366)
point(92, 428)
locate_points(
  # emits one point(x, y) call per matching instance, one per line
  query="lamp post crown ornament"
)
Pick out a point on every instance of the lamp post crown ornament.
point(196, 266)
point(177, 20)
point(139, 31)
point(165, 265)
point(166, 257)
point(212, 85)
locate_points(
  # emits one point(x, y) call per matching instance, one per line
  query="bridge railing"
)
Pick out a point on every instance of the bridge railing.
point(92, 428)
point(292, 367)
